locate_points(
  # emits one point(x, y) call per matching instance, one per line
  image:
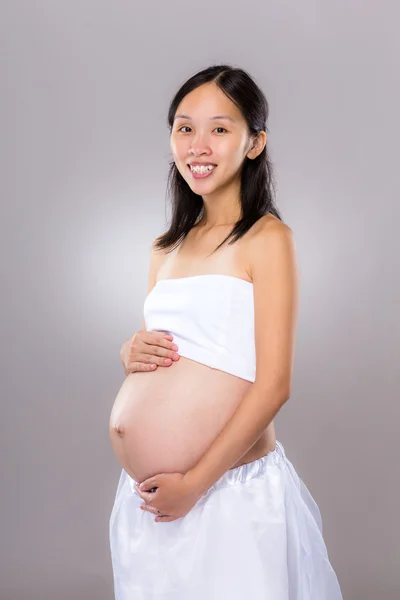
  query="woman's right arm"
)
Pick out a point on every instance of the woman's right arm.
point(147, 348)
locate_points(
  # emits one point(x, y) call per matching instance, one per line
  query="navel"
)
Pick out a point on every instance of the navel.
point(120, 429)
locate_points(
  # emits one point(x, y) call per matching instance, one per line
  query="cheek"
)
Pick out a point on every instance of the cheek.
point(238, 153)
point(178, 149)
point(232, 153)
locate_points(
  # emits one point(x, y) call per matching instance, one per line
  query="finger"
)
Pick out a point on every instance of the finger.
point(155, 337)
point(166, 519)
point(142, 341)
point(148, 497)
point(163, 352)
point(160, 341)
point(158, 358)
point(153, 348)
point(163, 335)
point(149, 483)
point(133, 367)
point(150, 509)
point(153, 352)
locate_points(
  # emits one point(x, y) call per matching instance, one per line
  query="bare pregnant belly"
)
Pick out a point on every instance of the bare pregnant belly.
point(164, 421)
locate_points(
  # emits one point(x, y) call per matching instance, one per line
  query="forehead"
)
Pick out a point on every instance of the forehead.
point(207, 101)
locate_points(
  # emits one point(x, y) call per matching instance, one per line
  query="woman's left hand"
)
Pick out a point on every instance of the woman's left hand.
point(175, 495)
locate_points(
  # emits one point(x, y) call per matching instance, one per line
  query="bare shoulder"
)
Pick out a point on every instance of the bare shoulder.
point(157, 257)
point(269, 224)
point(271, 240)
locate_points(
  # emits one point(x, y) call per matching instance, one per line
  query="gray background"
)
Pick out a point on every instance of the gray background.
point(85, 150)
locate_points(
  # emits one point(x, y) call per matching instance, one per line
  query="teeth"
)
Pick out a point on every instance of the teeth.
point(201, 169)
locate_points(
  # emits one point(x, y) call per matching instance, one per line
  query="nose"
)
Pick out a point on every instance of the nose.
point(199, 151)
point(199, 146)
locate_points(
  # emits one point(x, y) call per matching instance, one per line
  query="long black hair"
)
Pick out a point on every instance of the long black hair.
point(257, 193)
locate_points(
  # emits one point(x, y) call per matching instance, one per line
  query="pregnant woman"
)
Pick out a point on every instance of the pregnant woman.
point(208, 506)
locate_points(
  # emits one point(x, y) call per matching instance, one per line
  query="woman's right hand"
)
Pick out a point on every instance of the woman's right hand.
point(146, 350)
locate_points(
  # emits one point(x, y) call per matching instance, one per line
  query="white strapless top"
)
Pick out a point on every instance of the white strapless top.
point(211, 318)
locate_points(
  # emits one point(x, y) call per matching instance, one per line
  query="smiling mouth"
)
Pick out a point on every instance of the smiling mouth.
point(201, 174)
point(200, 165)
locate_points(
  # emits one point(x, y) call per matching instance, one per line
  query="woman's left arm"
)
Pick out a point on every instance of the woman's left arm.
point(276, 291)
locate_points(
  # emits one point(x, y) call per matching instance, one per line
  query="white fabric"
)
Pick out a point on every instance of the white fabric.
point(256, 533)
point(211, 317)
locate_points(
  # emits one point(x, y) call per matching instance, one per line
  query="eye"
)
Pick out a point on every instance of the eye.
point(183, 126)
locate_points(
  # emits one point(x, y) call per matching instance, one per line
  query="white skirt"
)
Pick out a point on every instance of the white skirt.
point(257, 532)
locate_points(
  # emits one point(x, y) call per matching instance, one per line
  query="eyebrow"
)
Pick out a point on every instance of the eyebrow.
point(217, 117)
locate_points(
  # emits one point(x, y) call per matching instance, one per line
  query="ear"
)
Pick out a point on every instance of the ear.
point(258, 145)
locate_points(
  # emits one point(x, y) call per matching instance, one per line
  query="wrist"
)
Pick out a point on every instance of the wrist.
point(195, 482)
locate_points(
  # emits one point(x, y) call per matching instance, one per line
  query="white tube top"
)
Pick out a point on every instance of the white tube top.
point(211, 318)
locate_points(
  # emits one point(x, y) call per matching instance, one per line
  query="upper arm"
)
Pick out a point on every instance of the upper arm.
point(276, 290)
point(156, 259)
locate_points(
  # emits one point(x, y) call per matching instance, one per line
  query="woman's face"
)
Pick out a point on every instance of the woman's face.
point(200, 136)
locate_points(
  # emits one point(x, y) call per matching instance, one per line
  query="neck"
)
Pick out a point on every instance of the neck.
point(222, 208)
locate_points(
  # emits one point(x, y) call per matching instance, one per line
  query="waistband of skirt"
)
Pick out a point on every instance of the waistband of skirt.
point(243, 473)
point(252, 469)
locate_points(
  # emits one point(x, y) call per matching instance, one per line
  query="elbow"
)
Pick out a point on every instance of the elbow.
point(283, 394)
point(279, 391)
